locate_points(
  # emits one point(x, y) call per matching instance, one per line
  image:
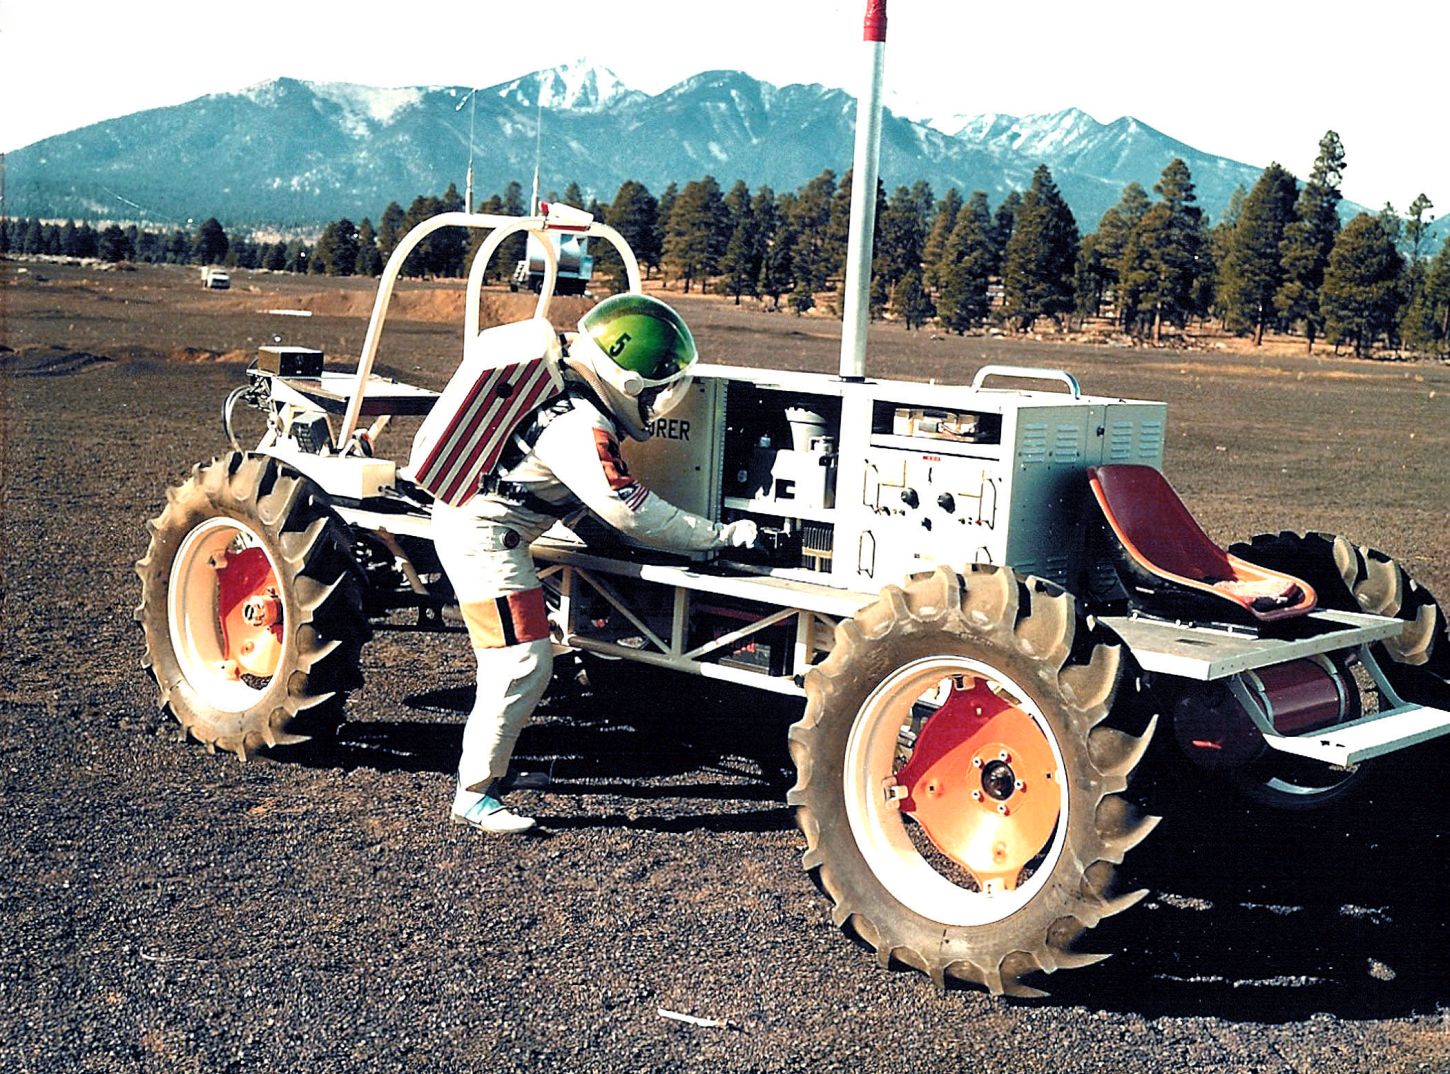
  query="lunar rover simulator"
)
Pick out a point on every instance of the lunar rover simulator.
point(988, 595)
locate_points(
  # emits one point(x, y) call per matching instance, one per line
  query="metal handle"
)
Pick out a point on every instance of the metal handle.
point(1028, 372)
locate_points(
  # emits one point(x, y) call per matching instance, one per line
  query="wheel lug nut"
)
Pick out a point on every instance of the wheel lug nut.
point(1004, 756)
point(1002, 808)
point(976, 762)
point(976, 796)
point(1020, 785)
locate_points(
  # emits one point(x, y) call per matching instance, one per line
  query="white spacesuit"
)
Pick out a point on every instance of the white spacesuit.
point(629, 364)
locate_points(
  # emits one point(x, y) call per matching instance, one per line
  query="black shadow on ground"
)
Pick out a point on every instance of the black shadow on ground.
point(601, 747)
point(1259, 916)
point(1251, 915)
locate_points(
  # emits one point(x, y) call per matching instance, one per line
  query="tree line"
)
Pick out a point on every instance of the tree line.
point(208, 245)
point(1279, 259)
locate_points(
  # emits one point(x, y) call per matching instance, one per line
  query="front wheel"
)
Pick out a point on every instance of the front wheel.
point(959, 794)
point(250, 606)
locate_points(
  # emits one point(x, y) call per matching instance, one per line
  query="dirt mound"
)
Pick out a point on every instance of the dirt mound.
point(441, 305)
point(55, 362)
point(203, 354)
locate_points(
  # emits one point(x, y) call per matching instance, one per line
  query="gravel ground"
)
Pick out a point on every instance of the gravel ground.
point(168, 910)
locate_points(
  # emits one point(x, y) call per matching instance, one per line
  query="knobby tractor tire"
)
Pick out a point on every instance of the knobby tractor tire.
point(232, 504)
point(1025, 637)
point(1349, 577)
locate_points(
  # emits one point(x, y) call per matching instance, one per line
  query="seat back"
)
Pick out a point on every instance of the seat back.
point(1153, 523)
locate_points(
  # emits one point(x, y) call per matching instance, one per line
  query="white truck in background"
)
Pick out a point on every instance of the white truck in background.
point(571, 252)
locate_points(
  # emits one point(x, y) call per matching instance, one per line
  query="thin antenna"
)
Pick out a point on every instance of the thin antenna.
point(472, 101)
point(468, 186)
point(538, 147)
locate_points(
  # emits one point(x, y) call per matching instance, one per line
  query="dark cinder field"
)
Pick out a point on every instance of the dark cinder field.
point(166, 910)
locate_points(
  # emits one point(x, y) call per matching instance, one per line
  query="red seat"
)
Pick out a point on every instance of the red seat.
point(1162, 538)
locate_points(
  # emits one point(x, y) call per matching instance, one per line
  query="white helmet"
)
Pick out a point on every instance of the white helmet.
point(636, 353)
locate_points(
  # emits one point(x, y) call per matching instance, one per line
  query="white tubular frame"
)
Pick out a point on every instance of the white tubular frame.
point(502, 227)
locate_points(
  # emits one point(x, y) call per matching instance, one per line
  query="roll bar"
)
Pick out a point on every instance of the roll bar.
point(557, 218)
point(1027, 372)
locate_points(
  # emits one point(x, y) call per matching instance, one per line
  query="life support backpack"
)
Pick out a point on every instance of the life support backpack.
point(507, 372)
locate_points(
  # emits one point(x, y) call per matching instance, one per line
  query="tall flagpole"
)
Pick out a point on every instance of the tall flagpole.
point(863, 198)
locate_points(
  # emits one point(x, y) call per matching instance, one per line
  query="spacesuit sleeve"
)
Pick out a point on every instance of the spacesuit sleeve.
point(583, 453)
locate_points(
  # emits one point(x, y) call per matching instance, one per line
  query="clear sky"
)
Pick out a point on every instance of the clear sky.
point(1255, 80)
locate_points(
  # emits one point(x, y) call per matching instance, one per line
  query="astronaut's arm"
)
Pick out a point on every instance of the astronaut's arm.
point(586, 458)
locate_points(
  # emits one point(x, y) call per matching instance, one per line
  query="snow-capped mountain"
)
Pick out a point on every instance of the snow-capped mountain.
point(298, 154)
point(579, 86)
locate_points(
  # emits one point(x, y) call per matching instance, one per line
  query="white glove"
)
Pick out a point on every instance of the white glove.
point(739, 534)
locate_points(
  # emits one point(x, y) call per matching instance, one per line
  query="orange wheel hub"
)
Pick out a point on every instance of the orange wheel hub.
point(250, 613)
point(984, 785)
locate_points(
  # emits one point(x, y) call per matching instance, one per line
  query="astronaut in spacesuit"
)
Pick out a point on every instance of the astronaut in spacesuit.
point(629, 364)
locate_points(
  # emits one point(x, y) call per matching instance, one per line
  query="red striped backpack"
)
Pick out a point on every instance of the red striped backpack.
point(507, 372)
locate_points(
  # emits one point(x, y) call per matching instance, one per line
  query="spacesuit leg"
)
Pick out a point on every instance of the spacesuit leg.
point(511, 681)
point(493, 575)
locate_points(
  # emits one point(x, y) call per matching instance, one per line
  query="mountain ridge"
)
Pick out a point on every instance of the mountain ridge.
point(293, 153)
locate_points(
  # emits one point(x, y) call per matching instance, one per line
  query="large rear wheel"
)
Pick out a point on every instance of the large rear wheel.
point(250, 606)
point(958, 788)
point(1350, 577)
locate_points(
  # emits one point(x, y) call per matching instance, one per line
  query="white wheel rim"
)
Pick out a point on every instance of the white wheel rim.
point(880, 829)
point(192, 612)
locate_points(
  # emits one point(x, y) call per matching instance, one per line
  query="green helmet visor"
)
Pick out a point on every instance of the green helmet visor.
point(643, 335)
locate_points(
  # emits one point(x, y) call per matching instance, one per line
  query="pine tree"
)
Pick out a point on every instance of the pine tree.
point(802, 299)
point(150, 247)
point(1417, 224)
point(276, 258)
point(816, 258)
point(666, 209)
point(573, 195)
point(777, 268)
point(695, 241)
point(1393, 226)
point(450, 244)
point(210, 245)
point(514, 248)
point(1002, 224)
point(1252, 269)
point(634, 213)
point(337, 249)
point(298, 256)
point(1436, 298)
point(1309, 238)
point(943, 220)
point(740, 263)
point(391, 228)
point(1102, 251)
point(903, 234)
point(965, 268)
point(112, 244)
point(1361, 296)
point(369, 261)
point(838, 230)
point(1041, 254)
point(910, 300)
point(34, 241)
point(421, 261)
point(1163, 255)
